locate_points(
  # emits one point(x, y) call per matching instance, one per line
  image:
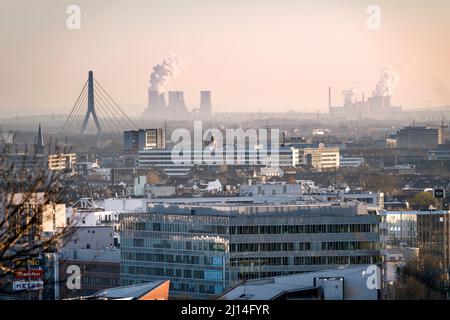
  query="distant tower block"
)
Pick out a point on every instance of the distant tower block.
point(91, 106)
point(205, 103)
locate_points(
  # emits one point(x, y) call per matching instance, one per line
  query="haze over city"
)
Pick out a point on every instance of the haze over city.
point(253, 55)
point(224, 155)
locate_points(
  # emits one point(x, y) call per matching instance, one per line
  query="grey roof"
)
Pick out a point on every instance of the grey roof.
point(128, 292)
point(271, 288)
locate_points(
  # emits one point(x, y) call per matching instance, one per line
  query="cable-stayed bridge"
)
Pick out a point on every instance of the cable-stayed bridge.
point(95, 101)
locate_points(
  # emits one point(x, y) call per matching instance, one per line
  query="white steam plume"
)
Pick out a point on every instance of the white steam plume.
point(387, 83)
point(170, 67)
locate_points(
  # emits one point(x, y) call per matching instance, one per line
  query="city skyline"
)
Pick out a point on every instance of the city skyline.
point(238, 151)
point(254, 57)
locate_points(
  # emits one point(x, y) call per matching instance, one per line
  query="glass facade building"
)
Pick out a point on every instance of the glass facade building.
point(204, 250)
point(433, 237)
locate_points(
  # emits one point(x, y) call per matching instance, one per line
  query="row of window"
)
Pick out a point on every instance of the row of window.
point(189, 287)
point(173, 227)
point(180, 245)
point(262, 229)
point(266, 261)
point(304, 246)
point(323, 260)
point(265, 274)
point(173, 273)
point(170, 258)
point(110, 282)
point(316, 260)
point(258, 247)
point(314, 228)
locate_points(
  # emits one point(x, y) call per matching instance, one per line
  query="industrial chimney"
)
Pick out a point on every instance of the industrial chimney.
point(329, 98)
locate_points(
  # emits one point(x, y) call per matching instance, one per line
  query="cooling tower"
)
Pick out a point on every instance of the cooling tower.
point(156, 100)
point(176, 101)
point(205, 103)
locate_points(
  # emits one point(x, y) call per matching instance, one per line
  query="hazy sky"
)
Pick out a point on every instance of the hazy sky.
point(253, 54)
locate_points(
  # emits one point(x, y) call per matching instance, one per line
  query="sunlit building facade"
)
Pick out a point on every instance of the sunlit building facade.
point(204, 250)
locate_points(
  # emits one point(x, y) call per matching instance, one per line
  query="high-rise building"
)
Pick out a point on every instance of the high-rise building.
point(143, 139)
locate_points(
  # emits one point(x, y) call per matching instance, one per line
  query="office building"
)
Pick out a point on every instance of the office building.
point(206, 247)
point(163, 159)
point(100, 269)
point(433, 229)
point(350, 162)
point(62, 161)
point(401, 228)
point(318, 156)
point(93, 247)
point(419, 137)
point(143, 139)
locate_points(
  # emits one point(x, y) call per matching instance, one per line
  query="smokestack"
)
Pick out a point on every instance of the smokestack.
point(329, 97)
point(363, 97)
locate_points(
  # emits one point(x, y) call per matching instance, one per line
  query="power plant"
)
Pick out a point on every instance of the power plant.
point(375, 107)
point(176, 108)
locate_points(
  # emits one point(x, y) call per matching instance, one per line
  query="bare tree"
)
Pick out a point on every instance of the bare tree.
point(28, 195)
point(421, 279)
